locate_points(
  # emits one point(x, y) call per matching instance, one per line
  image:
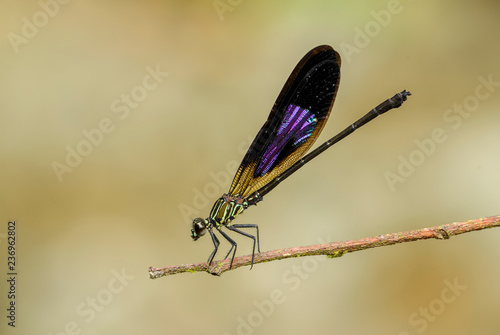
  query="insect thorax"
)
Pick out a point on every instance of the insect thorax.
point(226, 208)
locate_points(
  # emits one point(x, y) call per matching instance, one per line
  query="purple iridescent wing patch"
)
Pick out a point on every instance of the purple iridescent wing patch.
point(298, 124)
point(295, 122)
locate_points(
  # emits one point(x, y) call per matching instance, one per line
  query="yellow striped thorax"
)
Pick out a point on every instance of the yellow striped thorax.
point(226, 208)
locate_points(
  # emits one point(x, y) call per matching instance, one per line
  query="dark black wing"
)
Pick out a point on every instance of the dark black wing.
point(295, 122)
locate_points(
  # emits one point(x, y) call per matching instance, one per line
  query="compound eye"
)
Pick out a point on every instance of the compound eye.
point(199, 228)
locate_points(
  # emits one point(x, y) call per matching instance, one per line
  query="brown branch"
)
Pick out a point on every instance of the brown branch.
point(335, 249)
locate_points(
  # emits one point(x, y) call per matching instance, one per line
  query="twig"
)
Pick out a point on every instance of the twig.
point(335, 249)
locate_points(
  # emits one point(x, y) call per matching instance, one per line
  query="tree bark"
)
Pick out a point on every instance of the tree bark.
point(334, 249)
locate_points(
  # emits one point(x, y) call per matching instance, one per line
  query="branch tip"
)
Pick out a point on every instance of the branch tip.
point(333, 250)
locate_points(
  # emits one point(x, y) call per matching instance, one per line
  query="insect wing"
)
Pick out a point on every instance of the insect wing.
point(295, 122)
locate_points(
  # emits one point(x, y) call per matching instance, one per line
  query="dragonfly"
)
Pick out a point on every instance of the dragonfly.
point(279, 149)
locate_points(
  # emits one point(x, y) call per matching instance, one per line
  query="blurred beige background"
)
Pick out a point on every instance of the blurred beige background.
point(87, 234)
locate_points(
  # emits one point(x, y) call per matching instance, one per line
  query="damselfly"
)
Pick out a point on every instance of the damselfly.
point(279, 149)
